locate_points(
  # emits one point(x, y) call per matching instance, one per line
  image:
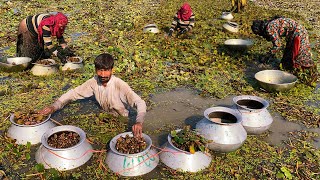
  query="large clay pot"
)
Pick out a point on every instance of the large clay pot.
point(255, 117)
point(28, 133)
point(66, 158)
point(132, 164)
point(178, 159)
point(223, 126)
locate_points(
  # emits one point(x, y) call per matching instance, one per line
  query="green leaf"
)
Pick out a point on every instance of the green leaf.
point(286, 172)
point(280, 175)
point(39, 167)
point(173, 133)
point(28, 156)
point(28, 145)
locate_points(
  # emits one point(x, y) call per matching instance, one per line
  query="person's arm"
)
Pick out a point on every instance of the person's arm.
point(275, 38)
point(174, 22)
point(83, 91)
point(62, 42)
point(46, 34)
point(191, 24)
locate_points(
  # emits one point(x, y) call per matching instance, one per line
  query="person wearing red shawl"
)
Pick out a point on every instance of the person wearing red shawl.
point(183, 21)
point(35, 37)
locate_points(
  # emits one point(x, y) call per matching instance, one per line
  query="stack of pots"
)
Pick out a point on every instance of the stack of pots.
point(64, 158)
point(132, 164)
point(255, 117)
point(178, 159)
point(223, 126)
point(29, 133)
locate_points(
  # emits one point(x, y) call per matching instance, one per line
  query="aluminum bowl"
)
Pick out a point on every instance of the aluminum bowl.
point(132, 164)
point(223, 126)
point(178, 159)
point(227, 16)
point(67, 158)
point(7, 67)
point(18, 60)
point(231, 27)
point(238, 44)
point(29, 133)
point(256, 119)
point(153, 28)
point(44, 70)
point(275, 80)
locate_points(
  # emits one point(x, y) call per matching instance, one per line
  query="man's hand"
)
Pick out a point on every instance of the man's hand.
point(47, 110)
point(137, 129)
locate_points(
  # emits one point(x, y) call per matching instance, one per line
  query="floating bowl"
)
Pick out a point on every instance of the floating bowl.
point(231, 27)
point(132, 164)
point(223, 126)
point(227, 16)
point(18, 60)
point(8, 67)
point(67, 158)
point(153, 28)
point(44, 70)
point(29, 133)
point(238, 44)
point(255, 117)
point(178, 159)
point(275, 80)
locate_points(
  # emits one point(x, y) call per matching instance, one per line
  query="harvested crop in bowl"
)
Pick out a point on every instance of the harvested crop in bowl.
point(44, 62)
point(31, 118)
point(74, 59)
point(63, 139)
point(188, 140)
point(131, 144)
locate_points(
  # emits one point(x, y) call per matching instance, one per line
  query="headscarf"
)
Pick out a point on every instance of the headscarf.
point(185, 8)
point(53, 23)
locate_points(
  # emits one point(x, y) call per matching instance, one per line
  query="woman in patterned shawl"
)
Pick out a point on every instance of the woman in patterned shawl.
point(35, 35)
point(297, 52)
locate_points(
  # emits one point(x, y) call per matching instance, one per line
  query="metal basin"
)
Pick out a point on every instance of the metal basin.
point(8, 67)
point(44, 70)
point(29, 133)
point(18, 60)
point(275, 80)
point(223, 126)
point(238, 44)
point(231, 27)
point(132, 164)
point(153, 28)
point(227, 16)
point(67, 158)
point(256, 119)
point(178, 159)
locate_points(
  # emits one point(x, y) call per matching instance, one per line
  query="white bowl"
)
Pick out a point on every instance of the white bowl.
point(18, 60)
point(238, 44)
point(231, 27)
point(227, 16)
point(153, 28)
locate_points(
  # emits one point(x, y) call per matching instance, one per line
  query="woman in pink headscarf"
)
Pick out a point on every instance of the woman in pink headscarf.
point(183, 21)
point(35, 37)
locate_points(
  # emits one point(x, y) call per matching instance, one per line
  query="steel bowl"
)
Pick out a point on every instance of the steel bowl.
point(178, 159)
point(153, 28)
point(223, 126)
point(275, 80)
point(7, 67)
point(44, 70)
point(238, 44)
point(256, 119)
point(231, 27)
point(227, 16)
point(18, 60)
point(29, 133)
point(132, 164)
point(67, 158)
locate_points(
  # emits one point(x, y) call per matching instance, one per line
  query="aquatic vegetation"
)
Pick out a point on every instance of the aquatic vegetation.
point(150, 63)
